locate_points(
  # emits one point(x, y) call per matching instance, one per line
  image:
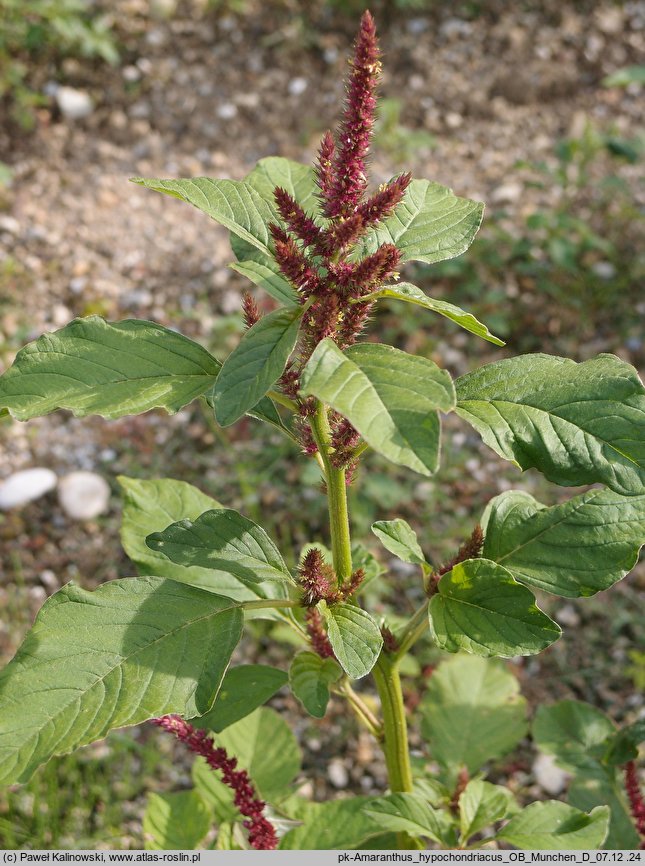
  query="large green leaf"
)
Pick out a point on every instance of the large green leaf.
point(554, 826)
point(623, 746)
point(336, 824)
point(481, 608)
point(243, 690)
point(255, 365)
point(409, 813)
point(224, 540)
point(399, 538)
point(264, 745)
point(310, 677)
point(482, 804)
point(234, 204)
point(131, 650)
point(431, 224)
point(574, 732)
point(151, 506)
point(390, 397)
point(175, 822)
point(471, 713)
point(574, 549)
point(355, 638)
point(576, 423)
point(94, 367)
point(414, 295)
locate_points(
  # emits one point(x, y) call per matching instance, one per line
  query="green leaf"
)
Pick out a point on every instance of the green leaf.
point(298, 179)
point(131, 650)
point(414, 295)
point(355, 638)
point(574, 732)
point(430, 225)
point(601, 787)
point(175, 822)
point(232, 203)
point(576, 423)
point(224, 540)
point(266, 410)
point(336, 824)
point(266, 276)
point(574, 549)
point(255, 365)
point(472, 713)
point(409, 813)
point(265, 747)
point(310, 678)
point(243, 690)
point(480, 805)
point(390, 397)
point(94, 367)
point(151, 506)
point(399, 538)
point(480, 608)
point(623, 746)
point(554, 826)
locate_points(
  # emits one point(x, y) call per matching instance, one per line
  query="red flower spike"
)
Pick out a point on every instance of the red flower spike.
point(376, 268)
point(349, 180)
point(262, 835)
point(390, 643)
point(470, 549)
point(382, 204)
point(636, 802)
point(302, 225)
point(353, 323)
point(293, 263)
point(324, 168)
point(355, 580)
point(317, 579)
point(317, 635)
point(250, 310)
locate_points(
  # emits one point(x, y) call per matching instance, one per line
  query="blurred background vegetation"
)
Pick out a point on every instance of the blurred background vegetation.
point(535, 107)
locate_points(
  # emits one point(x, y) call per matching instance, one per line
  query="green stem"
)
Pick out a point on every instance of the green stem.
point(395, 735)
point(413, 631)
point(283, 400)
point(336, 498)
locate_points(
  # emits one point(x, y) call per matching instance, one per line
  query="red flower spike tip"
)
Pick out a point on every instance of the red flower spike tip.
point(382, 204)
point(302, 225)
point(262, 835)
point(349, 178)
point(250, 310)
point(324, 168)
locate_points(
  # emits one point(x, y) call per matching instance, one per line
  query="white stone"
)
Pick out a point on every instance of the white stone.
point(567, 615)
point(549, 777)
point(74, 104)
point(337, 772)
point(25, 486)
point(83, 495)
point(507, 192)
point(297, 86)
point(227, 110)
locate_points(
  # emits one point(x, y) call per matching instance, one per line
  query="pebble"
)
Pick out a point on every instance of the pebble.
point(25, 486)
point(83, 495)
point(297, 86)
point(507, 192)
point(549, 777)
point(74, 104)
point(226, 111)
point(338, 775)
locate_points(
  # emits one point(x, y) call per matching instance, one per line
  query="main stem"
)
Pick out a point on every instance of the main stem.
point(386, 671)
point(336, 498)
